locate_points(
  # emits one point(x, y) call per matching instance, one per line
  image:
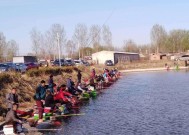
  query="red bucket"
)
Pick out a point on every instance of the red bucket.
point(47, 109)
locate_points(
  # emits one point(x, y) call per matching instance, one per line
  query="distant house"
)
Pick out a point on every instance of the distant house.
point(179, 56)
point(116, 57)
point(158, 56)
point(175, 56)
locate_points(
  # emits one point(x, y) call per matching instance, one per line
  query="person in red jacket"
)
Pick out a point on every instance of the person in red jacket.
point(93, 73)
point(62, 95)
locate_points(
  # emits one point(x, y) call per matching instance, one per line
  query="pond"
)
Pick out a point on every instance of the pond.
point(150, 103)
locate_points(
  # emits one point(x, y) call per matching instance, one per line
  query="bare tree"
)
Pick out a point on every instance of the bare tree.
point(58, 30)
point(2, 45)
point(107, 37)
point(12, 49)
point(43, 48)
point(130, 46)
point(178, 40)
point(50, 40)
point(81, 37)
point(95, 37)
point(185, 41)
point(70, 46)
point(50, 45)
point(158, 37)
point(36, 38)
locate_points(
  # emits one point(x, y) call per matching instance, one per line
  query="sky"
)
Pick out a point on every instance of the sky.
point(128, 19)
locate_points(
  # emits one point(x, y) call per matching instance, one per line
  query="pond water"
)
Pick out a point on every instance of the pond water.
point(151, 103)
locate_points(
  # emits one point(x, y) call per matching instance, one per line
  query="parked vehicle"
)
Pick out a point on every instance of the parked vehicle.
point(81, 62)
point(20, 67)
point(4, 68)
point(11, 66)
point(78, 62)
point(70, 62)
point(62, 62)
point(184, 58)
point(31, 66)
point(86, 63)
point(43, 63)
point(109, 63)
point(52, 62)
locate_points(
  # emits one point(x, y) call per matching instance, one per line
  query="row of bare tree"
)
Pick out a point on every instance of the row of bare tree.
point(93, 39)
point(84, 40)
point(8, 49)
point(174, 41)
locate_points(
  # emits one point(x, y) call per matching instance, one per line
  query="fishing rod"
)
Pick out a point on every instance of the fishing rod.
point(44, 129)
point(103, 25)
point(66, 115)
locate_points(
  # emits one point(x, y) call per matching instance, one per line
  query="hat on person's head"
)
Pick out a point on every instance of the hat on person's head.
point(48, 91)
point(63, 85)
point(42, 81)
point(15, 104)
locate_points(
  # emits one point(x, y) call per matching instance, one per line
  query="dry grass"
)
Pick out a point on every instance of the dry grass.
point(27, 83)
point(146, 64)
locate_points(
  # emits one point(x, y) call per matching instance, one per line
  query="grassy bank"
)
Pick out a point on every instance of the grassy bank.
point(27, 83)
point(145, 64)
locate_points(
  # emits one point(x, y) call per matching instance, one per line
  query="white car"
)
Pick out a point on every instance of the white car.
point(184, 58)
point(81, 62)
point(78, 62)
point(43, 63)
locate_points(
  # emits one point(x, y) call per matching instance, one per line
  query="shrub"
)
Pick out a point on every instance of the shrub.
point(48, 71)
point(34, 72)
point(5, 79)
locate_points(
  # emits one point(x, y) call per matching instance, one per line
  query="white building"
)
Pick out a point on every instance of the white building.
point(24, 59)
point(116, 57)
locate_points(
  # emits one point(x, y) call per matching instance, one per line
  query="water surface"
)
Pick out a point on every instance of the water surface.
point(152, 103)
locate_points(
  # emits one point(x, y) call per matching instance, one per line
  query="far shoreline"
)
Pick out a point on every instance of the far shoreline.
point(152, 69)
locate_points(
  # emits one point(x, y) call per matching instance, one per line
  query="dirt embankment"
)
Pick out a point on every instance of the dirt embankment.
point(27, 83)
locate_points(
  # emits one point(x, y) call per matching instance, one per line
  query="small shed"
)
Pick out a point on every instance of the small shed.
point(158, 56)
point(116, 57)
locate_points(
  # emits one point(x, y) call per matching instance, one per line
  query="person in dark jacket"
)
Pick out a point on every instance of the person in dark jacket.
point(79, 75)
point(92, 83)
point(49, 100)
point(11, 98)
point(51, 82)
point(40, 97)
point(70, 85)
point(12, 118)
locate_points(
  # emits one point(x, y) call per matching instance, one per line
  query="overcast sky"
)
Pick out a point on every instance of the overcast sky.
point(131, 19)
